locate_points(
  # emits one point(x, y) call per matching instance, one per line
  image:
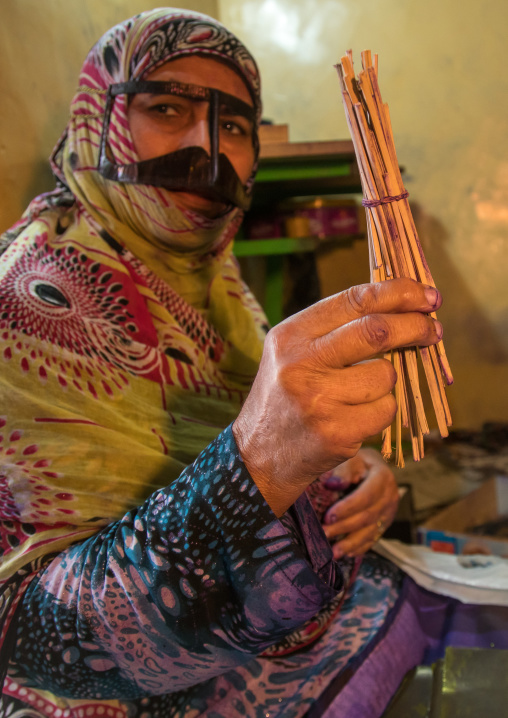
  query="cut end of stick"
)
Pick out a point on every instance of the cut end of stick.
point(366, 59)
point(386, 447)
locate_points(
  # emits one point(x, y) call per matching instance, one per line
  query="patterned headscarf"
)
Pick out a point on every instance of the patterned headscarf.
point(129, 51)
point(127, 338)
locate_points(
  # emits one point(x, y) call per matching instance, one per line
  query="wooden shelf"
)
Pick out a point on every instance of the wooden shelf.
point(296, 169)
point(309, 150)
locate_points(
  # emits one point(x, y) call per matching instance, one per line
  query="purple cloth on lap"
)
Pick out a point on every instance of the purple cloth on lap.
point(424, 625)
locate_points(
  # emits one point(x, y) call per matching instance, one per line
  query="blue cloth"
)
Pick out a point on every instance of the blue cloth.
point(198, 580)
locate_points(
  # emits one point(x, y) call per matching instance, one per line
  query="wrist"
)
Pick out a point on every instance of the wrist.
point(278, 491)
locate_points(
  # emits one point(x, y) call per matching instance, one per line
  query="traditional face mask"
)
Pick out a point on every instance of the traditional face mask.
point(190, 169)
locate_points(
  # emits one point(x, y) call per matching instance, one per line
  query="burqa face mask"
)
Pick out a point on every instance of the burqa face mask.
point(190, 169)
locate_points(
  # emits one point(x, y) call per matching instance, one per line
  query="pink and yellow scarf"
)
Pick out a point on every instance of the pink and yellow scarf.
point(127, 337)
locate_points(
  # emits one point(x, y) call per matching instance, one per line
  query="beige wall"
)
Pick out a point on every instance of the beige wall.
point(442, 66)
point(442, 73)
point(42, 46)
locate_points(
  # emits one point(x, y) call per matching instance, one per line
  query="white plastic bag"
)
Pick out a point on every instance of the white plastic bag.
point(471, 579)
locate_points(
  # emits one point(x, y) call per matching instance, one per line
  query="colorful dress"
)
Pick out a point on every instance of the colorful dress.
point(137, 580)
point(125, 604)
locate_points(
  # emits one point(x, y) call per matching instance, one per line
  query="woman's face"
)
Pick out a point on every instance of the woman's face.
point(161, 124)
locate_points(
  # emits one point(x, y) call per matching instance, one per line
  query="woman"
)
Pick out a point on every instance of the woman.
point(135, 582)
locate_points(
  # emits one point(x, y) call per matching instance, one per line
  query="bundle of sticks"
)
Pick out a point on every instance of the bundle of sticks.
point(394, 249)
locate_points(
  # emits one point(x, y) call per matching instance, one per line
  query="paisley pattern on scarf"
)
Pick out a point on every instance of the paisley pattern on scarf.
point(105, 375)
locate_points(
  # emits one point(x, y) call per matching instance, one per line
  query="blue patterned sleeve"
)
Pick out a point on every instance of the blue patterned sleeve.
point(193, 583)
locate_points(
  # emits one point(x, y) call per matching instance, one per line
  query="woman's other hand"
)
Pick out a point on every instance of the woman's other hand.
point(354, 523)
point(322, 389)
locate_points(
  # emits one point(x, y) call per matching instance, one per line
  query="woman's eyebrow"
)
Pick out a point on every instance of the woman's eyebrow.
point(154, 95)
point(236, 110)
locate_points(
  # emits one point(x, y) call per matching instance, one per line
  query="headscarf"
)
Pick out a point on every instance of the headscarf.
point(129, 51)
point(124, 352)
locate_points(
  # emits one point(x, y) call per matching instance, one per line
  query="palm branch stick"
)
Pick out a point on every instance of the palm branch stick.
point(394, 248)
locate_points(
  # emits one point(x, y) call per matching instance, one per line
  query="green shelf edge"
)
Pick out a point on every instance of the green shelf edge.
point(302, 171)
point(268, 247)
point(288, 245)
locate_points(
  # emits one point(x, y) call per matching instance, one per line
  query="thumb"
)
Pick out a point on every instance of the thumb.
point(350, 472)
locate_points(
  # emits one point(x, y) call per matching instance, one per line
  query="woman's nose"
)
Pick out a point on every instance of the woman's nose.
point(197, 134)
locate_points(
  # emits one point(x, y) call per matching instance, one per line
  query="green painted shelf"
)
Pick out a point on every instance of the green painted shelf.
point(301, 169)
point(276, 246)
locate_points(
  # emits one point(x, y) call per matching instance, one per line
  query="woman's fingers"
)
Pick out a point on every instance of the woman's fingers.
point(392, 297)
point(363, 505)
point(316, 397)
point(361, 323)
point(374, 334)
point(349, 472)
point(361, 422)
point(366, 381)
point(346, 524)
point(360, 518)
point(356, 544)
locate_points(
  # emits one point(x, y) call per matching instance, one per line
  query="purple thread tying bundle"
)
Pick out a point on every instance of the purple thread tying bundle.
point(384, 200)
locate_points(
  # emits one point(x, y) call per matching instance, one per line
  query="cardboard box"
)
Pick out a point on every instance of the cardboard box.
point(451, 530)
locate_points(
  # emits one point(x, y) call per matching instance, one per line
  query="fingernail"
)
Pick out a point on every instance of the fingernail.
point(336, 484)
point(337, 552)
point(439, 329)
point(432, 296)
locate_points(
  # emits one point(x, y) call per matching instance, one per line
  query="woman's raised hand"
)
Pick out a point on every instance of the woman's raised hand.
point(320, 391)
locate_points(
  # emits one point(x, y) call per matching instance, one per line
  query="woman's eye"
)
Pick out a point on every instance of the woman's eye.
point(234, 127)
point(165, 109)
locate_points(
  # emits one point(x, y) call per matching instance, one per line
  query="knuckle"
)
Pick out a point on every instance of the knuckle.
point(408, 287)
point(426, 328)
point(277, 345)
point(423, 324)
point(361, 298)
point(276, 336)
point(407, 290)
point(380, 378)
point(376, 331)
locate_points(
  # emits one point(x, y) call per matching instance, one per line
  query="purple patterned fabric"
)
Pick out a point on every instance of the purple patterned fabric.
point(199, 579)
point(166, 610)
